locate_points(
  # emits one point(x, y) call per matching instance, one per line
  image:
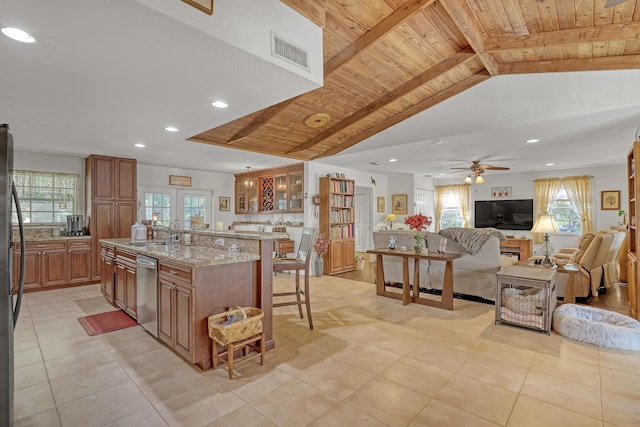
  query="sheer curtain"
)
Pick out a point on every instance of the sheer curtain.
point(545, 191)
point(460, 193)
point(578, 189)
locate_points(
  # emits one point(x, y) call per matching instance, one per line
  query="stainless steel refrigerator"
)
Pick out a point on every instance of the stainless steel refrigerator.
point(9, 308)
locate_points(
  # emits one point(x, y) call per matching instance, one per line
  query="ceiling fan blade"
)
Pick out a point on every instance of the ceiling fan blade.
point(460, 168)
point(495, 168)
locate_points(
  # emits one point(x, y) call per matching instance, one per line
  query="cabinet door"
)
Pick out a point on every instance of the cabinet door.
point(182, 318)
point(280, 199)
point(296, 192)
point(165, 312)
point(120, 297)
point(252, 195)
point(126, 180)
point(79, 265)
point(131, 299)
point(103, 216)
point(125, 216)
point(336, 251)
point(107, 279)
point(32, 271)
point(241, 196)
point(632, 287)
point(102, 178)
point(54, 270)
point(349, 253)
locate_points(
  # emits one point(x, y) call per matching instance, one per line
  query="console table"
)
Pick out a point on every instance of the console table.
point(446, 302)
point(519, 247)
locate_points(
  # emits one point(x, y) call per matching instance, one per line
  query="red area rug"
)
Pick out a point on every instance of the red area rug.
point(101, 323)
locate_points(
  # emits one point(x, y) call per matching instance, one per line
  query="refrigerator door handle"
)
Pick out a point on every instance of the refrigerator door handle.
point(16, 310)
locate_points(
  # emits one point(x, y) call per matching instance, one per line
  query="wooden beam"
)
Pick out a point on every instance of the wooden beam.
point(415, 109)
point(601, 34)
point(384, 27)
point(584, 64)
point(463, 17)
point(261, 119)
point(388, 98)
point(309, 9)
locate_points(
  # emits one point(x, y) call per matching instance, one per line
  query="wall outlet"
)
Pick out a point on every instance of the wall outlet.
point(219, 242)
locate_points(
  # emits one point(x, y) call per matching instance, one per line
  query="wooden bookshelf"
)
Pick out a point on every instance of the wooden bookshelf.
point(337, 220)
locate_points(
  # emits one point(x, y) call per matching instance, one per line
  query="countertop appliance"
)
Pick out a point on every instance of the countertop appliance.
point(9, 311)
point(147, 293)
point(74, 225)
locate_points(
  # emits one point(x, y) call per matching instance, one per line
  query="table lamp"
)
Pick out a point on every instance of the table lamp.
point(546, 224)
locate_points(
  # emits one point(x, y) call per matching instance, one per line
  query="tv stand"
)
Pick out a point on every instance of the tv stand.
point(516, 247)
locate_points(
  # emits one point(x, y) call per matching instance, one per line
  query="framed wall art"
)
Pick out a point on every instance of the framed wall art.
point(399, 203)
point(610, 200)
point(500, 192)
point(380, 204)
point(184, 181)
point(224, 204)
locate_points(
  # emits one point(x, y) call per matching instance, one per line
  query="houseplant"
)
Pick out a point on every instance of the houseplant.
point(320, 247)
point(390, 218)
point(418, 223)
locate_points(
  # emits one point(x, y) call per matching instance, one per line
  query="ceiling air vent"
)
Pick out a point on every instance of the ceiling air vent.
point(287, 51)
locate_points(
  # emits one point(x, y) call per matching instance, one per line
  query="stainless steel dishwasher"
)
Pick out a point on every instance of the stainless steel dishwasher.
point(147, 293)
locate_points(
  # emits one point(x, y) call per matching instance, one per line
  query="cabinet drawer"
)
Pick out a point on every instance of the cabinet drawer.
point(79, 244)
point(172, 271)
point(45, 246)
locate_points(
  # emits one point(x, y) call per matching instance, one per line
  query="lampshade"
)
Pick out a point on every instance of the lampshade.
point(468, 179)
point(479, 179)
point(545, 224)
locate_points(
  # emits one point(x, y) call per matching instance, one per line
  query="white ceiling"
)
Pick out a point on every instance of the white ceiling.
point(105, 75)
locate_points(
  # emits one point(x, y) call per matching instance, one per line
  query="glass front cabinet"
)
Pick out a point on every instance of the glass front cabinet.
point(246, 194)
point(278, 190)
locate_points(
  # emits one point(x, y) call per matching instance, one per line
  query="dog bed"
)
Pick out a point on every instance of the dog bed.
point(596, 326)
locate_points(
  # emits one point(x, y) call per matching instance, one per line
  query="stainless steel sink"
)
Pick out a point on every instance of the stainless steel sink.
point(159, 243)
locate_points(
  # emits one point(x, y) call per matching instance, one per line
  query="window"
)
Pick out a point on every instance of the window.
point(565, 214)
point(157, 207)
point(451, 214)
point(194, 204)
point(46, 197)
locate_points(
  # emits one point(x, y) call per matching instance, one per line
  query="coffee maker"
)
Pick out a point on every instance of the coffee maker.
point(74, 225)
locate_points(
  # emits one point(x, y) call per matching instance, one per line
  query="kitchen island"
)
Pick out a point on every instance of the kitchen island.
point(195, 282)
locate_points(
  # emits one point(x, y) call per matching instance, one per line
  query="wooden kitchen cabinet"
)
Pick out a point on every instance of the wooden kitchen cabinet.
point(107, 277)
point(79, 261)
point(111, 184)
point(175, 308)
point(273, 190)
point(516, 247)
point(125, 283)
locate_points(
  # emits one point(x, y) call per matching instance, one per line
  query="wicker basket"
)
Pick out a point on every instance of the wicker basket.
point(250, 325)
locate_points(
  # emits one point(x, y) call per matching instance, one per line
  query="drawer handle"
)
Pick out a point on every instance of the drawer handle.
point(173, 272)
point(42, 246)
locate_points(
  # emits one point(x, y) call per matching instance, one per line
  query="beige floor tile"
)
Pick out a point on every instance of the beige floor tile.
point(529, 412)
point(147, 417)
point(477, 397)
point(337, 378)
point(169, 382)
point(331, 345)
point(69, 347)
point(103, 407)
point(149, 362)
point(76, 362)
point(246, 416)
point(255, 382)
point(134, 345)
point(48, 418)
point(572, 370)
point(295, 403)
point(28, 376)
point(494, 372)
point(566, 394)
point(388, 402)
point(455, 340)
point(627, 361)
point(86, 382)
point(401, 344)
point(27, 357)
point(294, 358)
point(440, 414)
point(368, 357)
point(506, 353)
point(31, 400)
point(345, 415)
point(620, 410)
point(525, 339)
point(417, 375)
point(441, 356)
point(25, 340)
point(557, 345)
point(193, 409)
point(624, 383)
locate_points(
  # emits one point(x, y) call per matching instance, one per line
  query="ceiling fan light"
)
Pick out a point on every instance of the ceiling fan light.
point(479, 179)
point(468, 179)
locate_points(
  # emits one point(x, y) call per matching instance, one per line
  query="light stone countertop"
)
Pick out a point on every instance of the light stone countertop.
point(189, 256)
point(51, 238)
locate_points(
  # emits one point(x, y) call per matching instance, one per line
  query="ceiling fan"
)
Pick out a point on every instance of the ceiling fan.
point(612, 3)
point(477, 169)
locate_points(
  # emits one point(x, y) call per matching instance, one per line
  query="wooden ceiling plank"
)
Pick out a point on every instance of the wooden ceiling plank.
point(385, 26)
point(261, 119)
point(607, 33)
point(566, 15)
point(463, 17)
point(584, 13)
point(531, 16)
point(516, 17)
point(309, 9)
point(578, 64)
point(415, 109)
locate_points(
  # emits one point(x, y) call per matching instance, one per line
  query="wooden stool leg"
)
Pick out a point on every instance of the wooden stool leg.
point(298, 293)
point(230, 350)
point(214, 354)
point(262, 348)
point(306, 298)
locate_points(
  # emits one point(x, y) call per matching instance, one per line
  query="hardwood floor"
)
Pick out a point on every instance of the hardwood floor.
point(614, 299)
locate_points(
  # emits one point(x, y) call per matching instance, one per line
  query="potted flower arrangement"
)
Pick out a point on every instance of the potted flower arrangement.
point(390, 218)
point(320, 247)
point(359, 262)
point(418, 223)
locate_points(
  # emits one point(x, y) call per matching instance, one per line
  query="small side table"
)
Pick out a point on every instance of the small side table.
point(282, 247)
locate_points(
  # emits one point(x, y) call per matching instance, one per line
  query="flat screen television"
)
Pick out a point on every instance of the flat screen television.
point(504, 214)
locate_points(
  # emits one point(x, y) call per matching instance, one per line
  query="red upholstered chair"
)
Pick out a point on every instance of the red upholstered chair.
point(299, 263)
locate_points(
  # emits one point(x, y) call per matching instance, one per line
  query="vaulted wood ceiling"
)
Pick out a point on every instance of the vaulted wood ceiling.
point(386, 60)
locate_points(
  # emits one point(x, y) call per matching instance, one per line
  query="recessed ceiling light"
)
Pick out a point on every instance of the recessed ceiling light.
point(441, 174)
point(139, 145)
point(171, 129)
point(532, 141)
point(438, 142)
point(393, 160)
point(18, 35)
point(550, 164)
point(219, 104)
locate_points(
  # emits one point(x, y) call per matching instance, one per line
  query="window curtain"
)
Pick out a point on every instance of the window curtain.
point(545, 191)
point(578, 189)
point(460, 193)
